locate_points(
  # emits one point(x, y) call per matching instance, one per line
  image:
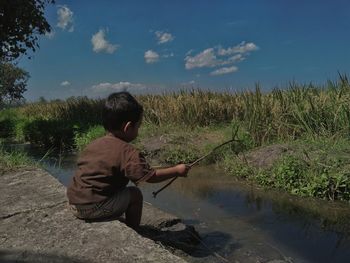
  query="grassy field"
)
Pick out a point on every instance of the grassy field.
point(311, 122)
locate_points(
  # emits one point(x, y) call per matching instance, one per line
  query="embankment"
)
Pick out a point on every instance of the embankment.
point(36, 226)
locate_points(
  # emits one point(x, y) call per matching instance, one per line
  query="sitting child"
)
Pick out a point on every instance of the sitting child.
point(99, 186)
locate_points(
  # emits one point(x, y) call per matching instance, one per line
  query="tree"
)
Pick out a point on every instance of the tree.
point(20, 23)
point(42, 99)
point(13, 81)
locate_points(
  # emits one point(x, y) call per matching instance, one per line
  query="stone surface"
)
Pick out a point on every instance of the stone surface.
point(36, 226)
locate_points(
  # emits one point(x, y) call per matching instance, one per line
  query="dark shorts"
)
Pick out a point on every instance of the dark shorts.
point(114, 206)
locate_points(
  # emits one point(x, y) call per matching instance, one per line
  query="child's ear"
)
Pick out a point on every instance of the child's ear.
point(127, 126)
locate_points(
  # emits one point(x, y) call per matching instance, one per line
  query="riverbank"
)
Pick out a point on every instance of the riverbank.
point(36, 226)
point(237, 227)
point(307, 167)
point(306, 127)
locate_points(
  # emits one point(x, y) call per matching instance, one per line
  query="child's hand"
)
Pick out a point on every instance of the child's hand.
point(182, 169)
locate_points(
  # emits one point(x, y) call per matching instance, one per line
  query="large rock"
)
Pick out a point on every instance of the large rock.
point(36, 226)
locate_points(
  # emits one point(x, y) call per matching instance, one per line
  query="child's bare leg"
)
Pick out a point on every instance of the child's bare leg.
point(134, 211)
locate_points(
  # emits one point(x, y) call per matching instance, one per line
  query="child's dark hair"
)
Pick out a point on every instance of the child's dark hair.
point(119, 108)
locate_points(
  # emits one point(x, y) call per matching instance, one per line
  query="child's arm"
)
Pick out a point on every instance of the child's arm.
point(167, 173)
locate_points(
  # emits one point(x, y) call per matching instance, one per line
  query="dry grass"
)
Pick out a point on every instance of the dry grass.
point(277, 115)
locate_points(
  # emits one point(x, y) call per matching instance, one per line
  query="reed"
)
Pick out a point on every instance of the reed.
point(278, 115)
point(282, 114)
point(298, 111)
point(76, 109)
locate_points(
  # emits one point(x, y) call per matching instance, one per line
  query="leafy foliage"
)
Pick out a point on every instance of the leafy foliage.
point(177, 154)
point(83, 138)
point(13, 81)
point(50, 133)
point(317, 168)
point(316, 117)
point(20, 23)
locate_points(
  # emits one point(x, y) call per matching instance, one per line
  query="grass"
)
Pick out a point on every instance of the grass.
point(191, 123)
point(278, 115)
point(312, 168)
point(81, 139)
point(11, 160)
point(282, 114)
point(172, 144)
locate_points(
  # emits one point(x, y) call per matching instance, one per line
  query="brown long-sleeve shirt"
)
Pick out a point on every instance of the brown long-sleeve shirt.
point(105, 166)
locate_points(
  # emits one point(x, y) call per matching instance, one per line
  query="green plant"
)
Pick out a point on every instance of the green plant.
point(8, 119)
point(316, 168)
point(19, 132)
point(289, 173)
point(178, 154)
point(235, 166)
point(289, 113)
point(49, 133)
point(13, 159)
point(81, 139)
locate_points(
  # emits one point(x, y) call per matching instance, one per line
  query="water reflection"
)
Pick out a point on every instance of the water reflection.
point(309, 230)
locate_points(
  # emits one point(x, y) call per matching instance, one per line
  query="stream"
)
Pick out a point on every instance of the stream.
point(239, 221)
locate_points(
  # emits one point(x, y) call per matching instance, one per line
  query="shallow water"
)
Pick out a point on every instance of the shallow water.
point(241, 222)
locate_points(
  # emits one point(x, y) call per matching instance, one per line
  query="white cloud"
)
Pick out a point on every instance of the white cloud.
point(65, 18)
point(231, 60)
point(169, 55)
point(65, 83)
point(115, 87)
point(242, 48)
point(224, 70)
point(164, 37)
point(206, 58)
point(151, 56)
point(100, 44)
point(236, 58)
point(189, 52)
point(218, 57)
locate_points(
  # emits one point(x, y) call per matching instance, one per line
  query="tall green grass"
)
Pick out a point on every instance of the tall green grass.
point(312, 168)
point(81, 139)
point(289, 113)
point(283, 114)
point(51, 124)
point(10, 160)
point(278, 115)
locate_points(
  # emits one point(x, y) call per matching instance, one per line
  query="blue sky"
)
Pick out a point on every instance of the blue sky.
point(98, 47)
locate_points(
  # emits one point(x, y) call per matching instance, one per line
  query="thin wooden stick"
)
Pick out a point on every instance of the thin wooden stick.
point(165, 186)
point(197, 161)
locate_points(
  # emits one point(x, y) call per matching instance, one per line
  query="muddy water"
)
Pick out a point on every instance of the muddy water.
point(242, 223)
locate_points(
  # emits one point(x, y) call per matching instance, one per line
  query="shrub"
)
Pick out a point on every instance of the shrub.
point(83, 138)
point(49, 133)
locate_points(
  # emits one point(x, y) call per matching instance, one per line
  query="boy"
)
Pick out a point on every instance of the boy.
point(99, 187)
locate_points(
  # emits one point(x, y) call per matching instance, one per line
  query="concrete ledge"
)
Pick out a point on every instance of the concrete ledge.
point(36, 226)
